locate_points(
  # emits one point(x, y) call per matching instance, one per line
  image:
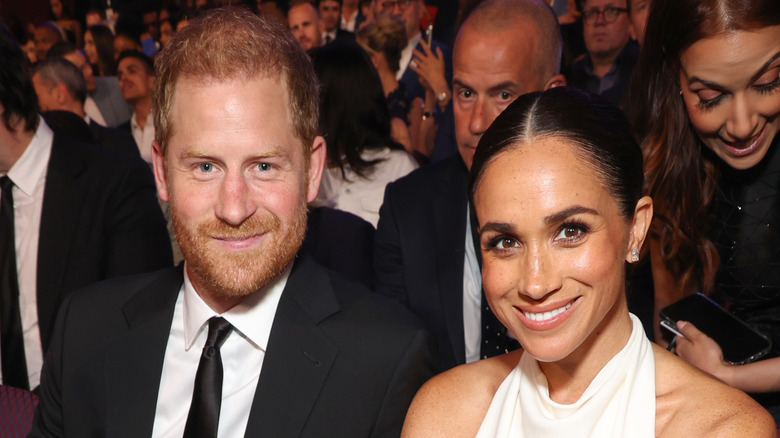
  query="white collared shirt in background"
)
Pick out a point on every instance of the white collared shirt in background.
point(472, 297)
point(406, 55)
point(143, 137)
point(349, 24)
point(93, 112)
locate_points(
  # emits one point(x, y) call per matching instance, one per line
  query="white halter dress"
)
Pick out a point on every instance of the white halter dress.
point(619, 402)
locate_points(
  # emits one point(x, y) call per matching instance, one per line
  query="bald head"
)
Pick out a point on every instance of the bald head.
point(504, 49)
point(501, 16)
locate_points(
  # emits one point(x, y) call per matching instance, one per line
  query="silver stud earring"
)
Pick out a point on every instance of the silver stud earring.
point(634, 255)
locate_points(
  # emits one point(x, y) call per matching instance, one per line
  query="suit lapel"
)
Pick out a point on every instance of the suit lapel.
point(299, 355)
point(450, 219)
point(62, 204)
point(134, 364)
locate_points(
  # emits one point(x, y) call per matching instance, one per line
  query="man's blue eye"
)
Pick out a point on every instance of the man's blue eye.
point(264, 166)
point(206, 167)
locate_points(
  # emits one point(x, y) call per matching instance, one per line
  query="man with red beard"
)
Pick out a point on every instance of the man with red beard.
point(247, 338)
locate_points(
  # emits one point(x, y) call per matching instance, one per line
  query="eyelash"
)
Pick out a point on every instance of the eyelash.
point(768, 87)
point(761, 88)
point(581, 227)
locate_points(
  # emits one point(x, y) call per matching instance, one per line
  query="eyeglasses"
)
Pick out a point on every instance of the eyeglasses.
point(389, 5)
point(610, 13)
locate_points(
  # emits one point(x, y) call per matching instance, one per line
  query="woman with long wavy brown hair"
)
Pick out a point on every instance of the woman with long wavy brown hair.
point(706, 107)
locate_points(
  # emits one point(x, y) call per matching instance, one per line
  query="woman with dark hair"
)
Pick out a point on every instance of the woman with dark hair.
point(556, 184)
point(706, 101)
point(63, 15)
point(354, 119)
point(99, 47)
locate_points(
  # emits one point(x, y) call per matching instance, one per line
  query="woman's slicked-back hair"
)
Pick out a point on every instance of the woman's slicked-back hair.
point(597, 129)
point(680, 180)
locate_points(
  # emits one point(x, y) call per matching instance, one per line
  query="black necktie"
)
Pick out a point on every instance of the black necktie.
point(494, 338)
point(12, 341)
point(203, 419)
point(328, 39)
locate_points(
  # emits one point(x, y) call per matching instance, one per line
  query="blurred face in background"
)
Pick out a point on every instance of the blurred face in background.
point(330, 14)
point(90, 49)
point(93, 18)
point(135, 82)
point(638, 17)
point(166, 32)
point(606, 28)
point(56, 8)
point(305, 25)
point(86, 69)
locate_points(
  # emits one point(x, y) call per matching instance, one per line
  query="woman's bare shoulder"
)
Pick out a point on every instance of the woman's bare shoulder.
point(454, 403)
point(692, 403)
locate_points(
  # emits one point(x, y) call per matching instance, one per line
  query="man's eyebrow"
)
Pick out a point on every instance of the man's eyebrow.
point(503, 86)
point(460, 83)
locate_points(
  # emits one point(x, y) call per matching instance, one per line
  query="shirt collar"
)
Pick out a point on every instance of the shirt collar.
point(253, 317)
point(134, 120)
point(30, 168)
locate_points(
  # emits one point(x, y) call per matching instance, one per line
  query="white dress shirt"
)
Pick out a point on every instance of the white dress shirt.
point(472, 297)
point(143, 137)
point(328, 37)
point(242, 357)
point(406, 55)
point(29, 177)
point(349, 24)
point(93, 112)
point(363, 196)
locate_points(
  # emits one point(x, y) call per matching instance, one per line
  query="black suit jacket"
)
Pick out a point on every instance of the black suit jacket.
point(419, 250)
point(114, 138)
point(100, 219)
point(340, 362)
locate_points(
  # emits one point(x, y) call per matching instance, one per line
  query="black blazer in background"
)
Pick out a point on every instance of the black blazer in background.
point(340, 362)
point(340, 241)
point(419, 251)
point(100, 219)
point(114, 138)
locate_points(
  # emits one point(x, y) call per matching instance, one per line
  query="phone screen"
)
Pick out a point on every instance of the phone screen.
point(740, 342)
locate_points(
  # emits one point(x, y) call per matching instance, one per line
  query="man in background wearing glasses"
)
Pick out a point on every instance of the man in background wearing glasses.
point(607, 67)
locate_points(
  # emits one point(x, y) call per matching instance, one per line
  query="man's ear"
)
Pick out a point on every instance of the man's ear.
point(643, 215)
point(60, 93)
point(160, 176)
point(316, 165)
point(556, 81)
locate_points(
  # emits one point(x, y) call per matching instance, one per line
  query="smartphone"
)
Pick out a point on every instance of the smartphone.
point(429, 34)
point(740, 343)
point(671, 327)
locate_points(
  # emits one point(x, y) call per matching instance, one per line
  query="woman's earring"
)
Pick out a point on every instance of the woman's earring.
point(634, 255)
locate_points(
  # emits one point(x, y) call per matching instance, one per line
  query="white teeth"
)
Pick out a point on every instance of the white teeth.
point(544, 316)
